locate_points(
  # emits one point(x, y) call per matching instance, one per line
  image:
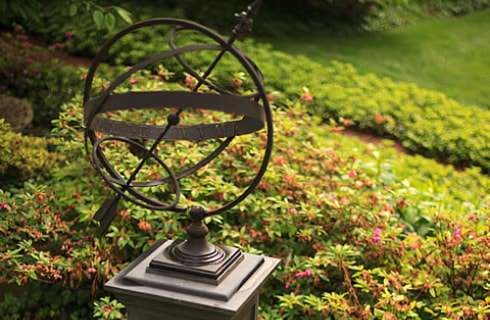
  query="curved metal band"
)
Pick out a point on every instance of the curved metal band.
point(188, 68)
point(139, 199)
point(101, 55)
point(250, 68)
point(140, 65)
point(252, 121)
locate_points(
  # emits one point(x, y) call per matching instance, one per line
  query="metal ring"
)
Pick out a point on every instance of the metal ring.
point(118, 184)
point(251, 69)
point(187, 67)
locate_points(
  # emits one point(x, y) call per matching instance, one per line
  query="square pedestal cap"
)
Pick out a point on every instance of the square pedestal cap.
point(134, 282)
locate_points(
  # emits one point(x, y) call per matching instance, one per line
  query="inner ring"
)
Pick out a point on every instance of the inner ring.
point(119, 184)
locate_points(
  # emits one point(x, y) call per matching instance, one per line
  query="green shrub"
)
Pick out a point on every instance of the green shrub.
point(46, 301)
point(23, 157)
point(46, 85)
point(454, 7)
point(425, 121)
point(58, 21)
point(337, 213)
point(278, 17)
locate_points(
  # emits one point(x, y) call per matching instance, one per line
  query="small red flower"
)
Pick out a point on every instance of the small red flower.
point(379, 119)
point(107, 309)
point(144, 226)
point(279, 160)
point(307, 96)
point(271, 96)
point(133, 80)
point(237, 83)
point(69, 35)
point(190, 81)
point(347, 122)
point(4, 206)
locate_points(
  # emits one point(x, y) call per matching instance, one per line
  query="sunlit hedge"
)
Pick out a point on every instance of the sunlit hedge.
point(23, 157)
point(425, 121)
point(361, 231)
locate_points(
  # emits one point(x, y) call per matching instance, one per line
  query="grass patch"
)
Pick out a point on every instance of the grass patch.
point(450, 55)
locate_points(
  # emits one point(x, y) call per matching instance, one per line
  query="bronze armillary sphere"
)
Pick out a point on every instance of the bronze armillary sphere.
point(254, 109)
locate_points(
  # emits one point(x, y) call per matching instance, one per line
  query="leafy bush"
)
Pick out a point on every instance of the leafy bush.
point(454, 7)
point(275, 17)
point(337, 213)
point(46, 301)
point(425, 121)
point(85, 20)
point(45, 84)
point(23, 157)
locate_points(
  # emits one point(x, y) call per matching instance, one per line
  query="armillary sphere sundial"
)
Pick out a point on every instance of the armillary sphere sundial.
point(195, 255)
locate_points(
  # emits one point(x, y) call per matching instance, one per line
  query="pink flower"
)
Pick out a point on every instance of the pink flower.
point(352, 174)
point(3, 206)
point(304, 274)
point(457, 236)
point(376, 238)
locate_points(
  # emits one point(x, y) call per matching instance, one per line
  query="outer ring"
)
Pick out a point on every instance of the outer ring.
point(255, 75)
point(171, 43)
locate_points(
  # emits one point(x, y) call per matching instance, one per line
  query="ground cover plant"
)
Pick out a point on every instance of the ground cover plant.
point(363, 232)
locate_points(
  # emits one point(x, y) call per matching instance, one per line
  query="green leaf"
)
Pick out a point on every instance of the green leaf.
point(124, 14)
point(73, 9)
point(110, 21)
point(98, 17)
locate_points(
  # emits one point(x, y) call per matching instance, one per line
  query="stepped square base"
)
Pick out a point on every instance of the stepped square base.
point(152, 287)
